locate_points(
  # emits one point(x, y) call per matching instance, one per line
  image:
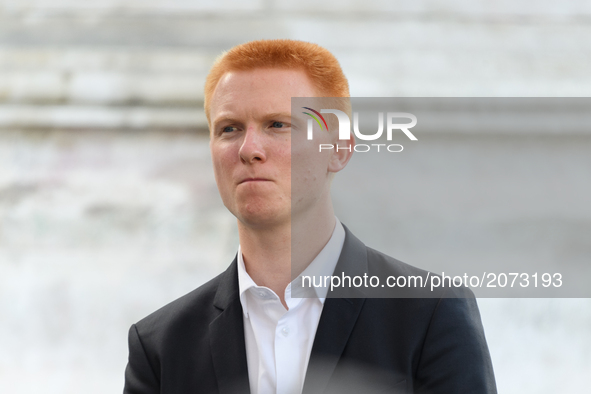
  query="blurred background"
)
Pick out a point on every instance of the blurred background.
point(109, 209)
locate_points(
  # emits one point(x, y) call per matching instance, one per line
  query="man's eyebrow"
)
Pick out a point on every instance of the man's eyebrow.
point(231, 119)
point(278, 115)
point(220, 119)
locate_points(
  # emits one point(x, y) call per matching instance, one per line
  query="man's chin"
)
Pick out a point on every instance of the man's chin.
point(265, 220)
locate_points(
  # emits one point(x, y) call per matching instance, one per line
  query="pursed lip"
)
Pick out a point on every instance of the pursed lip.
point(253, 180)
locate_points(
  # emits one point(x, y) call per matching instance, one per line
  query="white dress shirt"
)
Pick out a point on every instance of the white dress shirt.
point(279, 341)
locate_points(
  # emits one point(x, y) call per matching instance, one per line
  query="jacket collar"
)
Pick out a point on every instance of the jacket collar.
point(338, 318)
point(228, 348)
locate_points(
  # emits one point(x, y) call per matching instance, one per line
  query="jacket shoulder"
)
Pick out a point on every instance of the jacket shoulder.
point(414, 282)
point(196, 306)
point(382, 262)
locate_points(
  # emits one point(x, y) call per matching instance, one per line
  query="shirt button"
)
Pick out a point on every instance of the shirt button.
point(285, 331)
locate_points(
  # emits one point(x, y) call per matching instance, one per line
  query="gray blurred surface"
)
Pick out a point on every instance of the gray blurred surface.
point(138, 64)
point(492, 186)
point(98, 229)
point(108, 208)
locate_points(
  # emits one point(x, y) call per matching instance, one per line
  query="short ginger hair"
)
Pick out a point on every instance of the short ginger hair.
point(318, 63)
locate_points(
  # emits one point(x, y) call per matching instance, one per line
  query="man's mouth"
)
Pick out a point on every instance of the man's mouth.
point(253, 180)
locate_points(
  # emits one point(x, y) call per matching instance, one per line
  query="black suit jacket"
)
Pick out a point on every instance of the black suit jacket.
point(362, 345)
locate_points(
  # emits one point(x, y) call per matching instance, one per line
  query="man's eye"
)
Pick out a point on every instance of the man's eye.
point(228, 129)
point(278, 125)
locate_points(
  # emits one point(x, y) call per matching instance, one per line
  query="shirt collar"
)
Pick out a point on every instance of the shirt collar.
point(245, 282)
point(322, 265)
point(325, 262)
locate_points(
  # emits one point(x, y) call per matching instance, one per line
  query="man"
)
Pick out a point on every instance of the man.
point(243, 331)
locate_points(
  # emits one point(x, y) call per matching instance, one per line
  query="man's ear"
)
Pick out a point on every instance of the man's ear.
point(341, 156)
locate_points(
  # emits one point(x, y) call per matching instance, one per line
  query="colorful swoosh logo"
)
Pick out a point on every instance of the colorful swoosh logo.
point(315, 118)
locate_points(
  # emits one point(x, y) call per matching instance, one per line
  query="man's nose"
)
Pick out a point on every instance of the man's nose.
point(252, 149)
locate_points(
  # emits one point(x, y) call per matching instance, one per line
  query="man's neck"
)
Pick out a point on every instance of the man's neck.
point(267, 253)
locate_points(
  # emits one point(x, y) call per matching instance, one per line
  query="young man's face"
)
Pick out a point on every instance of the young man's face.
point(251, 144)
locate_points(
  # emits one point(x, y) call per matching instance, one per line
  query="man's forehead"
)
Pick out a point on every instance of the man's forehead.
point(259, 91)
point(281, 82)
point(260, 106)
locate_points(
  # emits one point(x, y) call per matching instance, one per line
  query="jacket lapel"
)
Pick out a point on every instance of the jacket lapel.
point(338, 318)
point(226, 332)
point(337, 321)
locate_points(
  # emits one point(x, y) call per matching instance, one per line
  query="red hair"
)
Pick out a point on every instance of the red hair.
point(319, 64)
